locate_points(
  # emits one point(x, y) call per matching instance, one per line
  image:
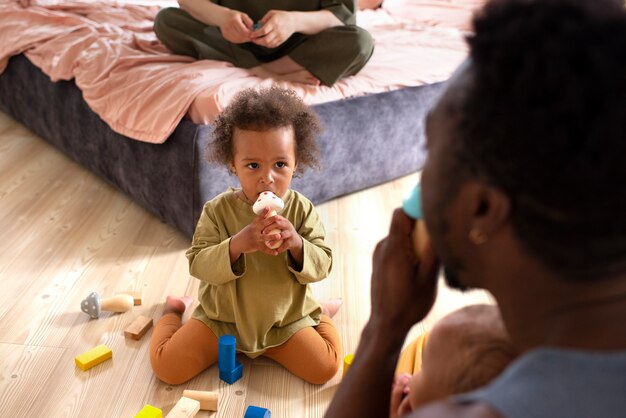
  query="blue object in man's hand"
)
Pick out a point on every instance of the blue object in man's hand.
point(412, 205)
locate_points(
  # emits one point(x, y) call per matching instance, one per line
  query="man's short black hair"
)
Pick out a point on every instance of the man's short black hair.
point(544, 120)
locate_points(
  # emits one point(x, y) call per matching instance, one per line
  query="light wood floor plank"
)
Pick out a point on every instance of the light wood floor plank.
point(25, 375)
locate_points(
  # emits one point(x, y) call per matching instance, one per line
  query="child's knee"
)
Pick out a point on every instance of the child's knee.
point(323, 373)
point(167, 372)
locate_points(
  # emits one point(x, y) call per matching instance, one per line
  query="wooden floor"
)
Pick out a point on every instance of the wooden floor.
point(66, 233)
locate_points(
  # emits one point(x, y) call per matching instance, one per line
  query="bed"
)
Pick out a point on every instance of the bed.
point(371, 135)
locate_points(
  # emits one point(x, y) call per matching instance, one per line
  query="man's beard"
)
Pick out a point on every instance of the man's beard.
point(451, 278)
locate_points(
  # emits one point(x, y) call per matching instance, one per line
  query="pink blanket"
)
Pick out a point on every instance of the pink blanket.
point(142, 91)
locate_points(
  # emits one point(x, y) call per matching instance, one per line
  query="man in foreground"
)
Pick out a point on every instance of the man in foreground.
point(523, 195)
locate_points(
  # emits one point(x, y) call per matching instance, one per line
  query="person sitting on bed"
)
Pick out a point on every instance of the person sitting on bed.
point(258, 294)
point(308, 42)
point(464, 351)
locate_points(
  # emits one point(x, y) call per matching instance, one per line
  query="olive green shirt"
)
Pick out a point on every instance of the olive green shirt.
point(261, 299)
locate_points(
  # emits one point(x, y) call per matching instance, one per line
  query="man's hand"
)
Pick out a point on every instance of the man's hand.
point(403, 290)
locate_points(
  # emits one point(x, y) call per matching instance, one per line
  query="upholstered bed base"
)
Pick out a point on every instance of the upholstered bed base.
point(367, 140)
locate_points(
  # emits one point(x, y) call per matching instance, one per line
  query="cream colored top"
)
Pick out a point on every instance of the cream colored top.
point(261, 299)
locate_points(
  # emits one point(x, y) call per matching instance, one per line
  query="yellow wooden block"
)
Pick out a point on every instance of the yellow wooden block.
point(149, 411)
point(93, 357)
point(347, 361)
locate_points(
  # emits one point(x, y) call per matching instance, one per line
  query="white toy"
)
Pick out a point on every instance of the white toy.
point(93, 305)
point(276, 204)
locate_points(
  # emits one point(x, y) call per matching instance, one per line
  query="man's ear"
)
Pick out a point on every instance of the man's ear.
point(489, 209)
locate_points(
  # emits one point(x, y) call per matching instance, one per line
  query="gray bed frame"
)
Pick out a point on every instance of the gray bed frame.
point(366, 141)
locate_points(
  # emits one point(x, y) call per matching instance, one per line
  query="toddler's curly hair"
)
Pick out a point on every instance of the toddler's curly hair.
point(262, 110)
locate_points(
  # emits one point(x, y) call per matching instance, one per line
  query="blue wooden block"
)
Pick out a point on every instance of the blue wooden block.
point(257, 412)
point(231, 376)
point(227, 345)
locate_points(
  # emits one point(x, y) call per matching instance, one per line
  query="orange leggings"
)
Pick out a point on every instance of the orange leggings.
point(180, 352)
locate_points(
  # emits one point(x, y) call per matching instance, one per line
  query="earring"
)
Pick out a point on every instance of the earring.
point(477, 237)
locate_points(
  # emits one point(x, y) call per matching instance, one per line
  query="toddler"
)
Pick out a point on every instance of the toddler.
point(464, 351)
point(258, 294)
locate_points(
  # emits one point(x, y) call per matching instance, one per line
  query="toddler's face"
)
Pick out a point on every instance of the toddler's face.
point(264, 160)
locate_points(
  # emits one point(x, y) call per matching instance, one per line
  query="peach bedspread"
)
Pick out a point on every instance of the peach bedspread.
point(142, 91)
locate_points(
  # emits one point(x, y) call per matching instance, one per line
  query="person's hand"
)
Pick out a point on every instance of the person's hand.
point(399, 405)
point(277, 27)
point(252, 239)
point(235, 26)
point(403, 291)
point(291, 239)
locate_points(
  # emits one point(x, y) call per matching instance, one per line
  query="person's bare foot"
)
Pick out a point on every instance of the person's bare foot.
point(300, 76)
point(177, 304)
point(331, 306)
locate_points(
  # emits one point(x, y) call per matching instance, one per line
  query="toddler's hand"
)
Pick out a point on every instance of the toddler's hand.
point(399, 405)
point(252, 239)
point(277, 27)
point(291, 239)
point(235, 26)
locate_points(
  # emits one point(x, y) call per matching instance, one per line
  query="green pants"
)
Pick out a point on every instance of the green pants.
point(334, 53)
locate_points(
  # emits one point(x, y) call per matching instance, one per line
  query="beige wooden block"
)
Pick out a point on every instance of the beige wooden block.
point(138, 327)
point(137, 296)
point(184, 408)
point(208, 400)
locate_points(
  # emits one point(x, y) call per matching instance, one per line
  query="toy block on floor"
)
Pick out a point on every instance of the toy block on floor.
point(257, 412)
point(227, 345)
point(184, 408)
point(149, 411)
point(233, 375)
point(208, 400)
point(137, 296)
point(347, 361)
point(138, 327)
point(230, 369)
point(93, 357)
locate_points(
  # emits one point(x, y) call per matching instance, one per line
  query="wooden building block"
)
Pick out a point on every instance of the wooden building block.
point(233, 375)
point(184, 408)
point(93, 357)
point(347, 361)
point(149, 411)
point(208, 400)
point(138, 327)
point(257, 412)
point(137, 296)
